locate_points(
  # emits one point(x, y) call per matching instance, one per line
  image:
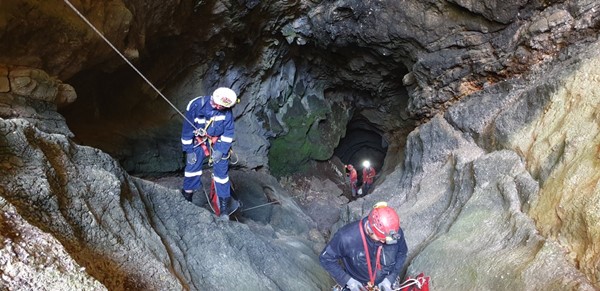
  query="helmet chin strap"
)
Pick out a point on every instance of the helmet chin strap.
point(369, 231)
point(216, 106)
point(390, 238)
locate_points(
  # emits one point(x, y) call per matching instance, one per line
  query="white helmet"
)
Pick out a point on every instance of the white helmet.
point(224, 96)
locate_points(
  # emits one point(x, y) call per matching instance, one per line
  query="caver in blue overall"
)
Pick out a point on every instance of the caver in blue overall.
point(220, 124)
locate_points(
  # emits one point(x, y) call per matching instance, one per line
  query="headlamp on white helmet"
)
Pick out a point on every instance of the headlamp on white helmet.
point(366, 164)
point(224, 96)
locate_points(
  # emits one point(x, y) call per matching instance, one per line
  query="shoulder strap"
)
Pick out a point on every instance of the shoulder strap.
point(372, 272)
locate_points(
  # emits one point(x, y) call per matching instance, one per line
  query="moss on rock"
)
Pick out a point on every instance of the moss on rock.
point(310, 136)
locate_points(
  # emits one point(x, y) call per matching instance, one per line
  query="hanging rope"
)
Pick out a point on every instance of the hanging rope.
point(127, 61)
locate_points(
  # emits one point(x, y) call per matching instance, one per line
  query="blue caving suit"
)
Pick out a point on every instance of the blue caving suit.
point(200, 112)
point(347, 246)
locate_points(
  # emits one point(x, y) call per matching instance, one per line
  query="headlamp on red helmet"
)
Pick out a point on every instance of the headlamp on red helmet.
point(384, 222)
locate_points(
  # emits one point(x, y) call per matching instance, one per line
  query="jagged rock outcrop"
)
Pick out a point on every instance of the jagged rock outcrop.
point(449, 48)
point(134, 234)
point(497, 187)
point(31, 93)
point(489, 187)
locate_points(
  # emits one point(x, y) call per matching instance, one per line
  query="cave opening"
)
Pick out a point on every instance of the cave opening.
point(363, 142)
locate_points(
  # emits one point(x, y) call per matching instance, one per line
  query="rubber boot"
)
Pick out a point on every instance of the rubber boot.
point(186, 195)
point(224, 208)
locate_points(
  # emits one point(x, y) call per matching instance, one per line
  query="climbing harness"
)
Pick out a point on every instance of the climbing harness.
point(127, 61)
point(206, 142)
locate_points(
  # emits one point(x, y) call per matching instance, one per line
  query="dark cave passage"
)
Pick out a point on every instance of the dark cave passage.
point(363, 142)
point(118, 114)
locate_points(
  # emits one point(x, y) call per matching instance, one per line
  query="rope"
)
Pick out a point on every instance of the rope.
point(231, 161)
point(410, 282)
point(268, 203)
point(258, 206)
point(127, 61)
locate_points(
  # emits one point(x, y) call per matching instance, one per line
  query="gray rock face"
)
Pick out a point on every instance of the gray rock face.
point(451, 48)
point(476, 187)
point(32, 94)
point(497, 187)
point(133, 234)
point(31, 259)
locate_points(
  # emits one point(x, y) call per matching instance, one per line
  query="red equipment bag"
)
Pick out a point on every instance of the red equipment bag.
point(213, 199)
point(419, 283)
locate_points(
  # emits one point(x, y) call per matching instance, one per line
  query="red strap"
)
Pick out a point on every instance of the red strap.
point(378, 263)
point(372, 272)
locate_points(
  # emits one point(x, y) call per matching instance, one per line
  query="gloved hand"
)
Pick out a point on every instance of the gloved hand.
point(354, 285)
point(216, 156)
point(385, 285)
point(190, 157)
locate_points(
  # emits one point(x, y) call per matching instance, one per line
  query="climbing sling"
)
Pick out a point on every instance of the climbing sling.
point(419, 283)
point(372, 272)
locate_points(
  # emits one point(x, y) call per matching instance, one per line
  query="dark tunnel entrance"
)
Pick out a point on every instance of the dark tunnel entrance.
point(362, 142)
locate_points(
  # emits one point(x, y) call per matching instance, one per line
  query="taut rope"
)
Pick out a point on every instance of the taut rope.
point(127, 61)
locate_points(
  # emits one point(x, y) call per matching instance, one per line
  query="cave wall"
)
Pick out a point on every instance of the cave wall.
point(472, 74)
point(505, 183)
point(198, 43)
point(130, 233)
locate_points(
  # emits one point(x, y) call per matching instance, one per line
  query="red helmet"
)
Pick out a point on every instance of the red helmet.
point(384, 222)
point(349, 167)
